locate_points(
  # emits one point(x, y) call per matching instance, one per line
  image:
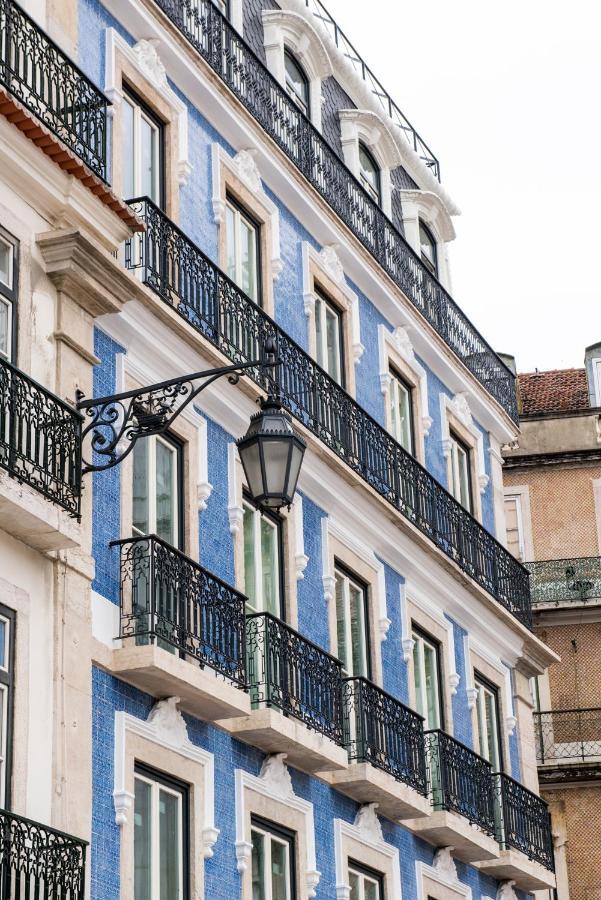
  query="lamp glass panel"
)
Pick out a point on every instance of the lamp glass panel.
point(251, 461)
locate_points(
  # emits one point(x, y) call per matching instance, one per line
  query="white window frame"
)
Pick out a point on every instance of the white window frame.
point(258, 519)
point(139, 115)
point(7, 354)
point(482, 690)
point(269, 838)
point(461, 452)
point(149, 445)
point(5, 690)
point(239, 217)
point(363, 879)
point(323, 305)
point(8, 296)
point(374, 192)
point(155, 847)
point(596, 364)
point(399, 384)
point(517, 499)
point(419, 641)
point(303, 105)
point(348, 581)
point(11, 262)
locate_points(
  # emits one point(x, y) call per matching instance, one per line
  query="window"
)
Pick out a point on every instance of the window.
point(329, 337)
point(427, 679)
point(297, 83)
point(161, 837)
point(461, 472)
point(401, 411)
point(365, 884)
point(352, 623)
point(8, 294)
point(223, 6)
point(263, 570)
point(429, 252)
point(242, 249)
point(369, 174)
point(7, 667)
point(142, 151)
point(272, 861)
point(514, 528)
point(488, 722)
point(158, 488)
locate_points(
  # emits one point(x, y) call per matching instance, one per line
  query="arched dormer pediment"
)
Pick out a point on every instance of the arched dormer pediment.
point(431, 209)
point(361, 126)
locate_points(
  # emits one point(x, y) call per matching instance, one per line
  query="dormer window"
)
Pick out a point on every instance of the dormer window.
point(369, 174)
point(429, 253)
point(223, 6)
point(297, 83)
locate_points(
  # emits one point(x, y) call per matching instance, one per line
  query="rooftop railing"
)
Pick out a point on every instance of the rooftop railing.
point(187, 280)
point(41, 77)
point(568, 735)
point(209, 32)
point(40, 439)
point(39, 862)
point(561, 581)
point(523, 821)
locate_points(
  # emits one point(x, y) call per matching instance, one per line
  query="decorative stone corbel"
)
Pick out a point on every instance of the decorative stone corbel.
point(483, 480)
point(444, 864)
point(408, 644)
point(510, 723)
point(243, 855)
point(209, 839)
point(368, 823)
point(123, 802)
point(301, 559)
point(235, 511)
point(472, 696)
point(274, 773)
point(506, 891)
point(454, 680)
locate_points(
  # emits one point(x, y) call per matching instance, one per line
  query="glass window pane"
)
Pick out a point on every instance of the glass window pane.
point(249, 556)
point(296, 82)
point(428, 248)
point(5, 328)
point(269, 565)
point(341, 621)
point(319, 309)
point(490, 707)
point(169, 846)
point(431, 680)
point(127, 149)
point(333, 344)
point(248, 275)
point(418, 677)
point(279, 871)
point(371, 890)
point(6, 263)
point(258, 866)
point(149, 175)
point(357, 599)
point(166, 500)
point(142, 840)
point(370, 174)
point(140, 513)
point(230, 241)
point(355, 888)
point(3, 644)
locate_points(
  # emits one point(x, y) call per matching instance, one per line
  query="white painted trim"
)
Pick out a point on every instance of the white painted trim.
point(522, 492)
point(366, 127)
point(371, 837)
point(470, 687)
point(459, 407)
point(399, 341)
point(145, 58)
point(274, 784)
point(166, 727)
point(301, 560)
point(407, 641)
point(235, 511)
point(244, 167)
point(428, 207)
point(510, 717)
point(328, 262)
point(426, 606)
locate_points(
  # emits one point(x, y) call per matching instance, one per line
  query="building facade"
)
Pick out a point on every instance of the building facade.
point(331, 700)
point(553, 509)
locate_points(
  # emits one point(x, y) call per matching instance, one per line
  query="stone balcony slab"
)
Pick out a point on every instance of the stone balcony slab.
point(512, 865)
point(365, 783)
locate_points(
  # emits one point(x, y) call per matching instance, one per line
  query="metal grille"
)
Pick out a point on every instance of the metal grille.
point(209, 32)
point(460, 780)
point(524, 821)
point(37, 72)
point(289, 672)
point(38, 862)
point(569, 735)
point(40, 439)
point(180, 273)
point(380, 730)
point(565, 580)
point(169, 599)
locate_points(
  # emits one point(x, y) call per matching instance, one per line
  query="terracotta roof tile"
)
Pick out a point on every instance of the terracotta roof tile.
point(559, 390)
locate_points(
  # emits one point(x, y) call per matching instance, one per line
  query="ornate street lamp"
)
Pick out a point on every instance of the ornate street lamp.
point(271, 451)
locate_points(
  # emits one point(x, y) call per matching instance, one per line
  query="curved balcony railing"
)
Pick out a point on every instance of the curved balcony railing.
point(460, 780)
point(560, 581)
point(523, 821)
point(186, 279)
point(209, 32)
point(41, 77)
point(568, 736)
point(380, 730)
point(40, 439)
point(167, 598)
point(293, 674)
point(37, 861)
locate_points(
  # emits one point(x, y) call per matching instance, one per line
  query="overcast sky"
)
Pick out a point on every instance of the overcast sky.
point(508, 97)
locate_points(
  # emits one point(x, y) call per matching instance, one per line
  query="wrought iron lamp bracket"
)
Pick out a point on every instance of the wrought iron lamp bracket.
point(119, 421)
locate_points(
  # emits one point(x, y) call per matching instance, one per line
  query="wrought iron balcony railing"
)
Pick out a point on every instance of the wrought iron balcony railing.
point(289, 672)
point(460, 780)
point(565, 580)
point(37, 861)
point(41, 77)
point(568, 736)
point(380, 730)
point(169, 599)
point(186, 279)
point(388, 105)
point(40, 439)
point(209, 32)
point(523, 821)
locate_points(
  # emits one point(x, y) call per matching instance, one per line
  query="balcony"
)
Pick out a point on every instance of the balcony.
point(568, 744)
point(296, 697)
point(37, 861)
point(385, 743)
point(222, 48)
point(565, 582)
point(189, 282)
point(462, 798)
point(182, 631)
point(40, 450)
point(523, 830)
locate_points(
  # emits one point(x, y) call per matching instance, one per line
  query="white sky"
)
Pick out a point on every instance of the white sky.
point(508, 97)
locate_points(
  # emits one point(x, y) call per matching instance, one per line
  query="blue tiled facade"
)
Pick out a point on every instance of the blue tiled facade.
point(216, 553)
